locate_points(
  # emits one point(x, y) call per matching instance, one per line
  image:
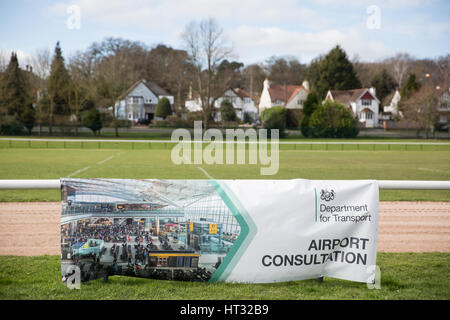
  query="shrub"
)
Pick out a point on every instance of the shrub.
point(92, 119)
point(163, 108)
point(9, 125)
point(293, 117)
point(274, 118)
point(333, 120)
point(159, 123)
point(176, 121)
point(227, 111)
point(194, 116)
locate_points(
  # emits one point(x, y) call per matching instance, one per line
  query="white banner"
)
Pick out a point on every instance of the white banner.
point(251, 231)
point(301, 229)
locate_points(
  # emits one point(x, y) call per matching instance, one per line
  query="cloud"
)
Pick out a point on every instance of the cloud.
point(260, 43)
point(23, 57)
point(172, 13)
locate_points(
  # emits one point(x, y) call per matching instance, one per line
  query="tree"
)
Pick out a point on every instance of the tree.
point(253, 79)
point(285, 70)
point(171, 69)
point(400, 65)
point(421, 108)
point(410, 87)
point(207, 48)
point(163, 108)
point(336, 72)
point(384, 84)
point(333, 120)
point(116, 64)
point(58, 87)
point(82, 94)
point(309, 106)
point(274, 118)
point(313, 72)
point(42, 66)
point(93, 120)
point(28, 118)
point(227, 111)
point(15, 93)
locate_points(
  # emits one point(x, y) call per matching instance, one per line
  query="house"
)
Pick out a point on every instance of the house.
point(390, 111)
point(240, 99)
point(444, 111)
point(363, 102)
point(139, 102)
point(289, 96)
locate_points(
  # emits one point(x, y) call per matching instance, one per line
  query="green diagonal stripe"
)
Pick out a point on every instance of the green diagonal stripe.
point(248, 231)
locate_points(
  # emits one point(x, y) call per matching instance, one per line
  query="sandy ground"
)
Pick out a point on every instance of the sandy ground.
point(32, 228)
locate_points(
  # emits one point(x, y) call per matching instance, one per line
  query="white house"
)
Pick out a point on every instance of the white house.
point(289, 96)
point(363, 102)
point(391, 111)
point(240, 99)
point(139, 102)
point(444, 110)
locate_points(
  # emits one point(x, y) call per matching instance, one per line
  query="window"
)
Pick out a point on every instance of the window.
point(368, 115)
point(299, 102)
point(366, 102)
point(278, 102)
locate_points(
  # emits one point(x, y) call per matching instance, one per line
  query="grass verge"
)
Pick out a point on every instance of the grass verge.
point(403, 276)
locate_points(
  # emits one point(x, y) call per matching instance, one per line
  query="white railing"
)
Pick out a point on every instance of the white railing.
point(383, 184)
point(247, 142)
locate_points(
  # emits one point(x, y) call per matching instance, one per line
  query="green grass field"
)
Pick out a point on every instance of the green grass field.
point(145, 161)
point(403, 276)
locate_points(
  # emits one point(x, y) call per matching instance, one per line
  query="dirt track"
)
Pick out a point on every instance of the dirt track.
point(32, 228)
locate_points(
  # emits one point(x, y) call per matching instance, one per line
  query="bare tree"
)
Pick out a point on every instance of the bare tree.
point(207, 48)
point(42, 61)
point(400, 65)
point(3, 60)
point(422, 109)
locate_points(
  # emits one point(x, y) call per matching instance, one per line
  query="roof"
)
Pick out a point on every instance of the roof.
point(284, 92)
point(347, 96)
point(153, 87)
point(241, 93)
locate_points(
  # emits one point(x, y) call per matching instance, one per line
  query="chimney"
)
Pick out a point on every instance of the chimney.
point(372, 91)
point(190, 91)
point(305, 84)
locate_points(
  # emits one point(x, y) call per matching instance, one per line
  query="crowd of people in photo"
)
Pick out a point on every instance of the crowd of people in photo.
point(124, 237)
point(130, 250)
point(109, 233)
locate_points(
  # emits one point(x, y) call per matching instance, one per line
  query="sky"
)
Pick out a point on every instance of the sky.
point(370, 30)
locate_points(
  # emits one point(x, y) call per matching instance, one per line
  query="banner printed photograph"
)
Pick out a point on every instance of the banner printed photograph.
point(252, 231)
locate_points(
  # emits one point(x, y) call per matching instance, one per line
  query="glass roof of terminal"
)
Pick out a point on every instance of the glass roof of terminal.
point(177, 193)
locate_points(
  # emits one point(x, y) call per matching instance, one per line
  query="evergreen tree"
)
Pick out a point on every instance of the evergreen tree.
point(163, 108)
point(310, 105)
point(93, 120)
point(15, 93)
point(410, 87)
point(227, 111)
point(336, 72)
point(384, 84)
point(58, 87)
